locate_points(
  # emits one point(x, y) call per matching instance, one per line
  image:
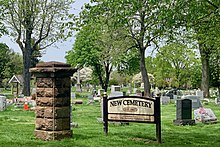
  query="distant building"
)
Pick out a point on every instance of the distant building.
point(17, 83)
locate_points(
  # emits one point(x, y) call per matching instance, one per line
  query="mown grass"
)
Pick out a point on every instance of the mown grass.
point(17, 126)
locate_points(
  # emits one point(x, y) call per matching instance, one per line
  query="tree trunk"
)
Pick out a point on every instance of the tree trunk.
point(205, 71)
point(26, 73)
point(108, 70)
point(144, 73)
point(27, 64)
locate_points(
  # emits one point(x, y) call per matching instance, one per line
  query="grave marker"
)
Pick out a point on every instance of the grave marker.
point(184, 112)
point(165, 100)
point(100, 92)
point(115, 88)
point(217, 101)
point(200, 94)
point(2, 103)
point(204, 115)
point(196, 103)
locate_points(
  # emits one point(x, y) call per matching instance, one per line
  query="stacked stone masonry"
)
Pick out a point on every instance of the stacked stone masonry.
point(53, 100)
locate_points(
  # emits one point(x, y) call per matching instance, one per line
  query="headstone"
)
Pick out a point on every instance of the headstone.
point(165, 100)
point(200, 94)
point(196, 103)
point(204, 115)
point(156, 91)
point(142, 85)
point(2, 103)
point(115, 88)
point(97, 98)
point(100, 92)
point(91, 99)
point(115, 94)
point(174, 98)
point(217, 101)
point(53, 100)
point(134, 90)
point(73, 95)
point(184, 112)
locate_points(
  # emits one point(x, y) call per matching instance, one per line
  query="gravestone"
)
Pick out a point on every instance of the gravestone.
point(184, 112)
point(196, 103)
point(115, 88)
point(165, 100)
point(100, 92)
point(199, 93)
point(217, 101)
point(142, 85)
point(174, 99)
point(115, 94)
point(53, 94)
point(2, 103)
point(205, 115)
point(134, 90)
point(91, 99)
point(73, 95)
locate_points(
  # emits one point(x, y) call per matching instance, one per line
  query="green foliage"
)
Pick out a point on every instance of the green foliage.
point(35, 25)
point(10, 64)
point(100, 46)
point(215, 68)
point(2, 15)
point(201, 18)
point(176, 65)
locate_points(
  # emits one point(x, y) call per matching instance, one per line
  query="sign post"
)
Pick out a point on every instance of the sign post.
point(158, 120)
point(105, 113)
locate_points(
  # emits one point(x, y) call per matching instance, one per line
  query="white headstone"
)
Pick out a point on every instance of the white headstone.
point(115, 94)
point(100, 91)
point(134, 90)
point(165, 100)
point(142, 85)
point(2, 103)
point(200, 94)
point(115, 88)
point(73, 95)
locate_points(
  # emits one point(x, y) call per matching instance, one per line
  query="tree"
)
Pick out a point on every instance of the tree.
point(10, 63)
point(181, 58)
point(4, 52)
point(201, 17)
point(2, 13)
point(215, 69)
point(97, 46)
point(35, 25)
point(144, 20)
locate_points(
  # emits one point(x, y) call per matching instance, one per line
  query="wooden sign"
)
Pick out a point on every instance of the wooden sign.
point(132, 109)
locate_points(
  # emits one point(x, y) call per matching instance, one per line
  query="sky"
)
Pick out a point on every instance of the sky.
point(52, 53)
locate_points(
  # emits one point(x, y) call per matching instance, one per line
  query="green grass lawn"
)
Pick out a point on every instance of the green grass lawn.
point(17, 127)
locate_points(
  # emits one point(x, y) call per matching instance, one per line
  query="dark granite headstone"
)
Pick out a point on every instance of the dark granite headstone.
point(184, 112)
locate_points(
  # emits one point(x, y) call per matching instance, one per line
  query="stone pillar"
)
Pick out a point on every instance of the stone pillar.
point(53, 90)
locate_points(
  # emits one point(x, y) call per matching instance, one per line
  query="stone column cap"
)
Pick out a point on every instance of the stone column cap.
point(52, 67)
